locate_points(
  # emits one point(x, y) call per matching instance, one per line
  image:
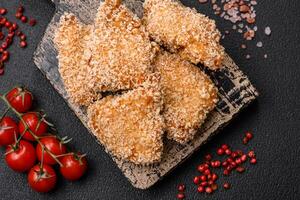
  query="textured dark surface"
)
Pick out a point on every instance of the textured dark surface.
point(274, 118)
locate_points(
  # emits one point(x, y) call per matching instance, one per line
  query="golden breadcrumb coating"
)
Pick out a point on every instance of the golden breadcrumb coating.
point(71, 39)
point(120, 50)
point(184, 31)
point(188, 96)
point(130, 125)
point(115, 53)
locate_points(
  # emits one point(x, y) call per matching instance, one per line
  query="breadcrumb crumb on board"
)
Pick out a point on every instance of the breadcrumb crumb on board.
point(235, 93)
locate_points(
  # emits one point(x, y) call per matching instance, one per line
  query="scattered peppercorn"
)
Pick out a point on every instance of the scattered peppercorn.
point(196, 180)
point(204, 183)
point(245, 140)
point(201, 168)
point(251, 154)
point(18, 15)
point(20, 9)
point(181, 187)
point(220, 151)
point(23, 37)
point(23, 44)
point(207, 172)
point(12, 31)
point(1, 36)
point(249, 135)
point(208, 157)
point(214, 187)
point(228, 151)
point(32, 22)
point(203, 178)
point(208, 190)
point(253, 161)
point(217, 163)
point(234, 161)
point(238, 161)
point(224, 146)
point(240, 169)
point(3, 11)
point(24, 19)
point(214, 177)
point(180, 196)
point(226, 186)
point(200, 189)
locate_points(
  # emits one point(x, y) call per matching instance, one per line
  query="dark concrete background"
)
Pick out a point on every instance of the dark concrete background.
point(274, 118)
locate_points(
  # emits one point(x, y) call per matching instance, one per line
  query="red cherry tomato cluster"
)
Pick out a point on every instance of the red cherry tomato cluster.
point(30, 148)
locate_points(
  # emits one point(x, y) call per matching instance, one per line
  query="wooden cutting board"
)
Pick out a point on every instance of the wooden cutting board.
point(235, 93)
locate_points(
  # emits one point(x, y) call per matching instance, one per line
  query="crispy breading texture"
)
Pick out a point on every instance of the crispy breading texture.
point(188, 94)
point(184, 31)
point(130, 126)
point(120, 48)
point(71, 39)
point(115, 53)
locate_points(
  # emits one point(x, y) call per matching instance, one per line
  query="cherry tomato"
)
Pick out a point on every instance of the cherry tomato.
point(73, 167)
point(8, 131)
point(54, 146)
point(20, 157)
point(35, 123)
point(42, 179)
point(20, 99)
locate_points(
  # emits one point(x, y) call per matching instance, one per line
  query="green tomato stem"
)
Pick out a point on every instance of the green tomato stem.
point(19, 115)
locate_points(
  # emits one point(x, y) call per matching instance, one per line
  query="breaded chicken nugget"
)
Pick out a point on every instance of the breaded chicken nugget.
point(120, 50)
point(130, 125)
point(188, 96)
point(71, 40)
point(184, 31)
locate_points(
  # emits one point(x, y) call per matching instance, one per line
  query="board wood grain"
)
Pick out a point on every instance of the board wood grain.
point(235, 93)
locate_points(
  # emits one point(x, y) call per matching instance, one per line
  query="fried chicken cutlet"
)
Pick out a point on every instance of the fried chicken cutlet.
point(182, 30)
point(130, 125)
point(188, 94)
point(71, 40)
point(120, 48)
point(115, 53)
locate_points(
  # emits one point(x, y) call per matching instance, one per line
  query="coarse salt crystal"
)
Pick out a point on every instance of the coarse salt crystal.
point(268, 30)
point(259, 44)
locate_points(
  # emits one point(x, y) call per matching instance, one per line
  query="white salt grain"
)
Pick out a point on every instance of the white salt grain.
point(268, 30)
point(259, 44)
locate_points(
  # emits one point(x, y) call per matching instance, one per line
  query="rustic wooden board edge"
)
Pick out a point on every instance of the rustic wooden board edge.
point(144, 177)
